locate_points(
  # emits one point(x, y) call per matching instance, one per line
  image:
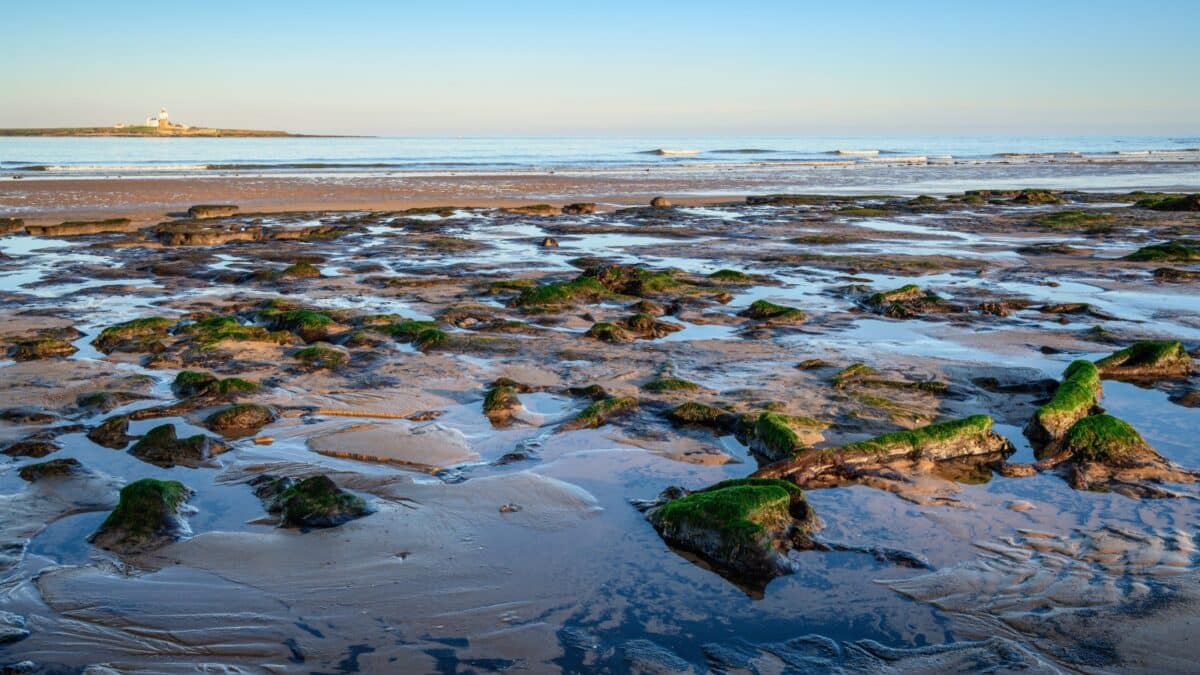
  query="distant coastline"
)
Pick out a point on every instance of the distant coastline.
point(156, 132)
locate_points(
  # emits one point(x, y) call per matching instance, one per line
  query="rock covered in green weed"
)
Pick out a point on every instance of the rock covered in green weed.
point(1179, 250)
point(41, 348)
point(138, 335)
point(148, 515)
point(320, 356)
point(1147, 359)
point(602, 412)
point(762, 310)
point(161, 447)
point(243, 419)
point(315, 502)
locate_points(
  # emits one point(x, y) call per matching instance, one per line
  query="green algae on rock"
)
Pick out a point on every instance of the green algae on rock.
point(1147, 359)
point(315, 502)
point(55, 468)
point(762, 310)
point(743, 527)
point(161, 447)
point(602, 412)
point(146, 517)
point(41, 348)
point(1076, 397)
point(139, 335)
point(701, 414)
point(320, 356)
point(778, 436)
point(500, 404)
point(662, 385)
point(111, 433)
point(1179, 250)
point(243, 419)
point(190, 383)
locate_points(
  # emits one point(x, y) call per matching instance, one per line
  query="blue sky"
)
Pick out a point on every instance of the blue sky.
point(531, 68)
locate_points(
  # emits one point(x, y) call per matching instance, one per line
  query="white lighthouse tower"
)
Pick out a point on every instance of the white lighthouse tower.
point(163, 122)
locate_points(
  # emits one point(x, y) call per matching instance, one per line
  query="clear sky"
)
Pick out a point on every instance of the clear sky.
point(462, 67)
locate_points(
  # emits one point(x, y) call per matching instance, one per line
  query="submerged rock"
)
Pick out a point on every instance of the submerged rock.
point(743, 527)
point(968, 437)
point(243, 419)
point(1075, 398)
point(36, 445)
point(1147, 359)
point(147, 516)
point(1102, 452)
point(111, 433)
point(162, 448)
point(761, 310)
point(1179, 250)
point(315, 502)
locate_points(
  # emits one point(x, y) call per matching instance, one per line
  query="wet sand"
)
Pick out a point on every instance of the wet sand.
point(498, 546)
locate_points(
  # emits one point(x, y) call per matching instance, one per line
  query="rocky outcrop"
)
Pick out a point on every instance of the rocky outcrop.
point(1147, 360)
point(315, 502)
point(761, 310)
point(777, 436)
point(147, 516)
point(55, 468)
point(1102, 452)
point(161, 447)
point(965, 438)
point(111, 433)
point(243, 419)
point(905, 302)
point(602, 412)
point(202, 211)
point(579, 209)
point(137, 336)
point(500, 404)
point(1076, 397)
point(11, 226)
point(81, 227)
point(41, 348)
point(743, 527)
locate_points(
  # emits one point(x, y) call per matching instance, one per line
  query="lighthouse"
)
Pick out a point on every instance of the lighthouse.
point(163, 123)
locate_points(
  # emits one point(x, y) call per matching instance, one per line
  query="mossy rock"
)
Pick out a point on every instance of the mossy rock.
point(320, 356)
point(905, 293)
point(946, 440)
point(662, 385)
point(243, 419)
point(500, 404)
point(111, 433)
point(1147, 359)
point(146, 517)
point(209, 333)
point(728, 276)
point(41, 348)
point(301, 270)
point(1059, 220)
point(608, 332)
point(1107, 440)
point(161, 447)
point(560, 294)
point(55, 468)
point(1168, 202)
point(310, 325)
point(105, 401)
point(1030, 196)
point(1179, 250)
point(202, 211)
point(37, 445)
point(315, 502)
point(853, 372)
point(1175, 276)
point(190, 383)
point(602, 412)
point(778, 436)
point(431, 339)
point(700, 414)
point(139, 335)
point(762, 310)
point(533, 210)
point(743, 527)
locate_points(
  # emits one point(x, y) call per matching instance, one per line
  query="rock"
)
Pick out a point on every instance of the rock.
point(1020, 505)
point(1175, 276)
point(42, 348)
point(664, 385)
point(778, 436)
point(52, 469)
point(1076, 397)
point(1179, 250)
point(743, 527)
point(37, 445)
point(1187, 399)
point(147, 516)
point(162, 448)
point(905, 302)
point(968, 437)
point(602, 412)
point(26, 415)
point(660, 202)
point(243, 419)
point(105, 401)
point(315, 502)
point(139, 335)
point(111, 433)
point(549, 242)
point(646, 327)
point(1172, 203)
point(761, 310)
point(500, 404)
point(701, 414)
point(311, 326)
point(81, 227)
point(11, 226)
point(1102, 452)
point(1147, 359)
point(202, 211)
point(579, 209)
point(1036, 197)
point(12, 629)
point(533, 210)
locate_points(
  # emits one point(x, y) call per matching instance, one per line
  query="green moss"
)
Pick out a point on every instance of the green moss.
point(1180, 250)
point(431, 338)
point(903, 294)
point(1030, 196)
point(1071, 219)
point(408, 331)
point(1164, 355)
point(607, 332)
point(693, 412)
point(191, 382)
point(210, 332)
point(500, 399)
point(317, 502)
point(42, 348)
point(602, 412)
point(915, 440)
point(317, 356)
point(762, 310)
point(727, 276)
point(138, 330)
point(561, 294)
point(297, 319)
point(51, 469)
point(739, 511)
point(851, 373)
point(1170, 202)
point(776, 432)
point(665, 384)
point(143, 506)
point(1076, 396)
point(1103, 438)
point(301, 270)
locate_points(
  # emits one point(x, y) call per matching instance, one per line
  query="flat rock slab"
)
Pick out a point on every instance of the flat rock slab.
point(424, 445)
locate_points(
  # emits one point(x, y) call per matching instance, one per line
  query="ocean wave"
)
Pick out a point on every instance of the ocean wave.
point(668, 151)
point(743, 151)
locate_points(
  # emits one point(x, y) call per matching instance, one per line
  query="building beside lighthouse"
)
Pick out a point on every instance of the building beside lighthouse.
point(161, 120)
